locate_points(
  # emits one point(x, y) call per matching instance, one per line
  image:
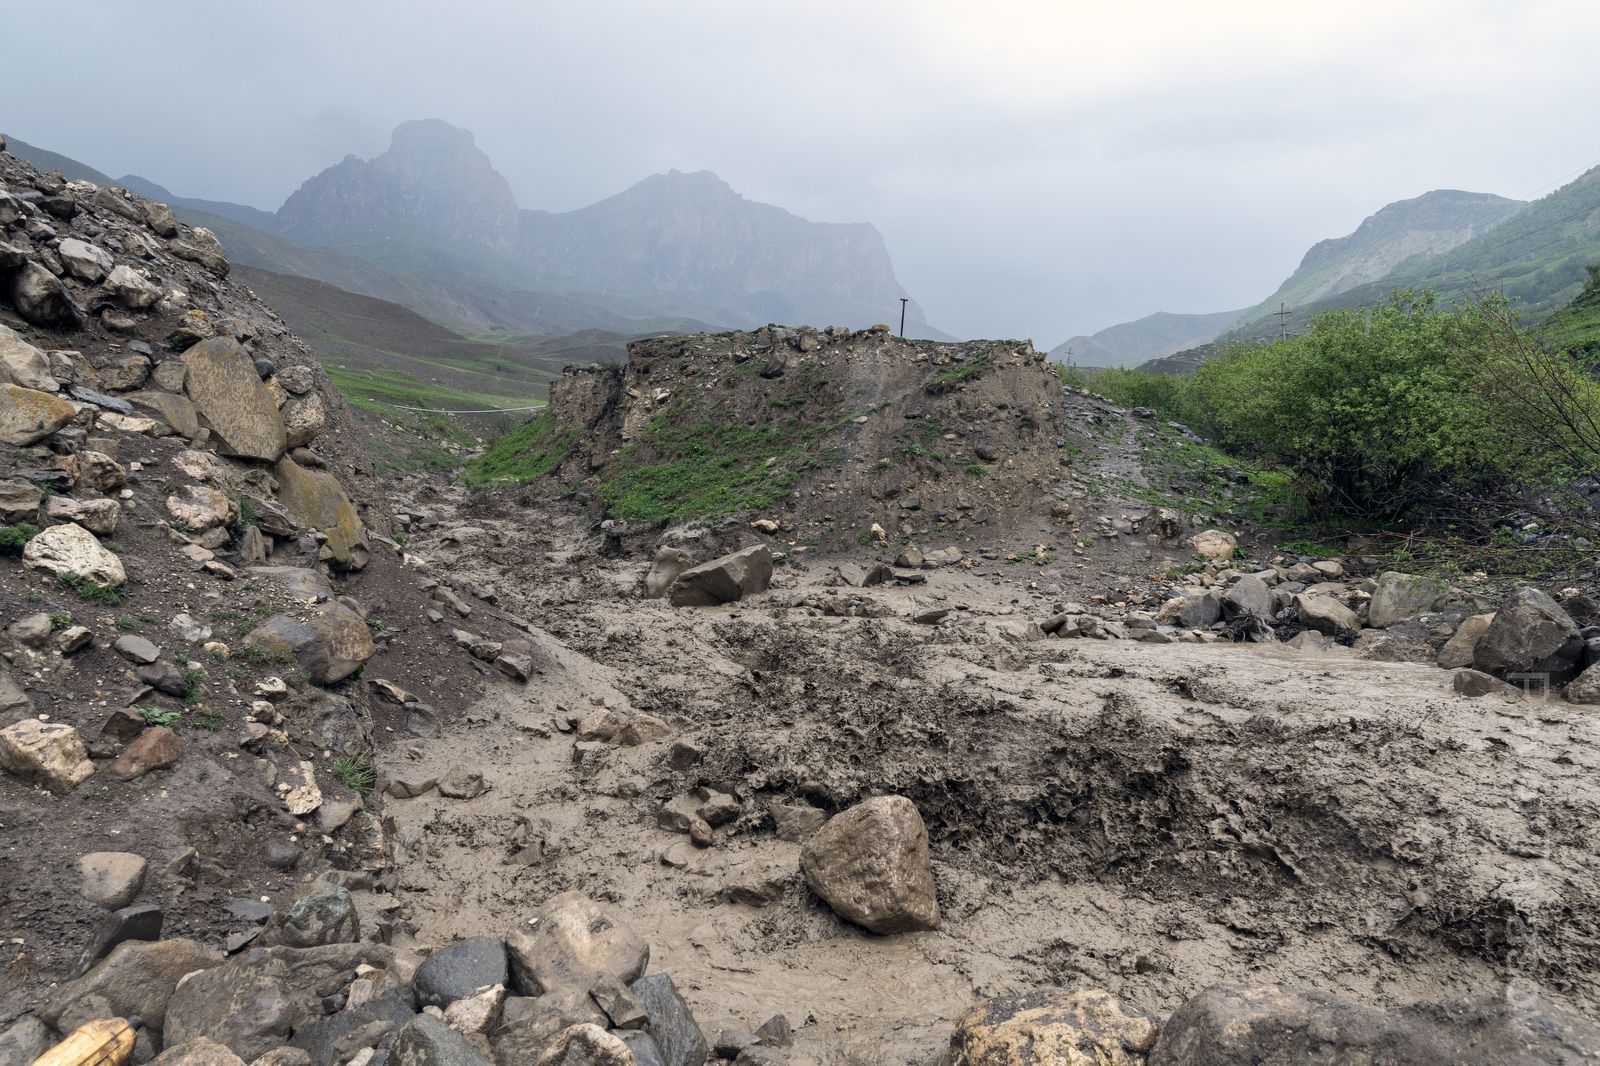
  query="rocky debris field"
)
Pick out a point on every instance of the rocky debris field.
point(304, 765)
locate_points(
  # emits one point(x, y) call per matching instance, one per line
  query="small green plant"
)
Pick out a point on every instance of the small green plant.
point(401, 540)
point(155, 716)
point(127, 621)
point(223, 615)
point(13, 538)
point(354, 772)
point(218, 655)
point(977, 469)
point(99, 794)
point(243, 629)
point(60, 621)
point(338, 590)
point(238, 674)
point(209, 719)
point(91, 590)
point(375, 624)
point(34, 597)
point(171, 489)
point(149, 619)
point(247, 512)
point(113, 546)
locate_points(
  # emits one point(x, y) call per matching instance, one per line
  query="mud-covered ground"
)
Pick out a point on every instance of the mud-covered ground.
point(1149, 819)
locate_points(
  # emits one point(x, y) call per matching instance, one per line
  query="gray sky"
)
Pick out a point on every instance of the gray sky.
point(1038, 169)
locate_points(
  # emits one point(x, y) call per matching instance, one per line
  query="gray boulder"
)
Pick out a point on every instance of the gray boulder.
point(1249, 596)
point(1399, 596)
point(25, 1041)
point(328, 1040)
point(1326, 615)
point(724, 580)
point(427, 1041)
point(664, 570)
point(254, 1001)
point(1530, 634)
point(39, 298)
point(330, 644)
point(1463, 645)
point(311, 916)
point(136, 978)
point(232, 402)
point(677, 1035)
point(456, 971)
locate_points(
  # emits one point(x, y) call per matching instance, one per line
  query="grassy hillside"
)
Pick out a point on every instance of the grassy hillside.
point(1151, 337)
point(70, 168)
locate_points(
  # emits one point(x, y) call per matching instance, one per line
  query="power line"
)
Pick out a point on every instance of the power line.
point(490, 411)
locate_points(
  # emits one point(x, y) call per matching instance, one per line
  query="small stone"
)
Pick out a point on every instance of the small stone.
point(477, 1013)
point(112, 878)
point(129, 923)
point(775, 1032)
point(155, 749)
point(625, 1009)
point(795, 824)
point(462, 782)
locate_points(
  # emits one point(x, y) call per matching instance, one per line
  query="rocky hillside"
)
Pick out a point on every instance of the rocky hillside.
point(1152, 337)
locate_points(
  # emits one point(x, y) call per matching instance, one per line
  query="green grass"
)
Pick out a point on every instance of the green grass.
point(155, 716)
point(127, 621)
point(91, 591)
point(962, 371)
point(375, 389)
point(525, 453)
point(354, 772)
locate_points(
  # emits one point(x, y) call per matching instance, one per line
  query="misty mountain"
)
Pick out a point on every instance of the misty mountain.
point(250, 216)
point(1151, 337)
point(1399, 237)
point(673, 245)
point(45, 160)
point(1427, 225)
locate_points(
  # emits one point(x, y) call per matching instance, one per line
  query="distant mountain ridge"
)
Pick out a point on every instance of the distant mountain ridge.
point(432, 225)
point(1151, 337)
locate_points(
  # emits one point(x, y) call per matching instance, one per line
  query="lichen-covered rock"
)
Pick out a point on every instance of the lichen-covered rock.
point(45, 753)
point(310, 916)
point(870, 863)
point(201, 507)
point(72, 549)
point(1053, 1026)
point(330, 645)
point(231, 401)
point(303, 419)
point(29, 415)
point(317, 499)
point(1399, 596)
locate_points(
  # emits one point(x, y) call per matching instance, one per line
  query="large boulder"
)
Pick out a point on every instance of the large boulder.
point(231, 401)
point(312, 915)
point(201, 507)
point(128, 287)
point(1530, 634)
point(24, 365)
point(724, 580)
point(256, 999)
point(871, 865)
point(1399, 596)
point(571, 941)
point(330, 1038)
point(45, 753)
point(29, 415)
point(1250, 597)
point(455, 972)
point(41, 300)
point(316, 498)
point(136, 978)
point(586, 1045)
point(197, 1052)
point(1228, 1024)
point(330, 644)
point(1326, 615)
point(1050, 1026)
point(85, 260)
point(71, 549)
point(664, 570)
point(97, 516)
point(176, 411)
point(1216, 544)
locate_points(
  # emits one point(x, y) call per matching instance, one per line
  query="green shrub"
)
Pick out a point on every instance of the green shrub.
point(92, 591)
point(155, 716)
point(60, 621)
point(13, 538)
point(354, 772)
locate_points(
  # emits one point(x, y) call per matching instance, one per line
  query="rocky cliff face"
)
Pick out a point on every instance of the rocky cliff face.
point(433, 174)
point(691, 234)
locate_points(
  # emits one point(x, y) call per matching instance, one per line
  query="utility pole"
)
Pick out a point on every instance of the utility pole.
point(1283, 329)
point(903, 300)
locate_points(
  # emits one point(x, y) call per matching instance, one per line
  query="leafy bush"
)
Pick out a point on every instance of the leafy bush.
point(157, 717)
point(60, 621)
point(13, 538)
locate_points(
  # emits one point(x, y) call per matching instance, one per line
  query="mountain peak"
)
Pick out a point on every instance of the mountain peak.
point(433, 173)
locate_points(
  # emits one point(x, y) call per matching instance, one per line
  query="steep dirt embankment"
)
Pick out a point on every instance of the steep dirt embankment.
point(826, 432)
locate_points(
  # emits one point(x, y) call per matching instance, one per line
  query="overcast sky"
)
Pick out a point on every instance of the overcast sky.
point(1038, 169)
